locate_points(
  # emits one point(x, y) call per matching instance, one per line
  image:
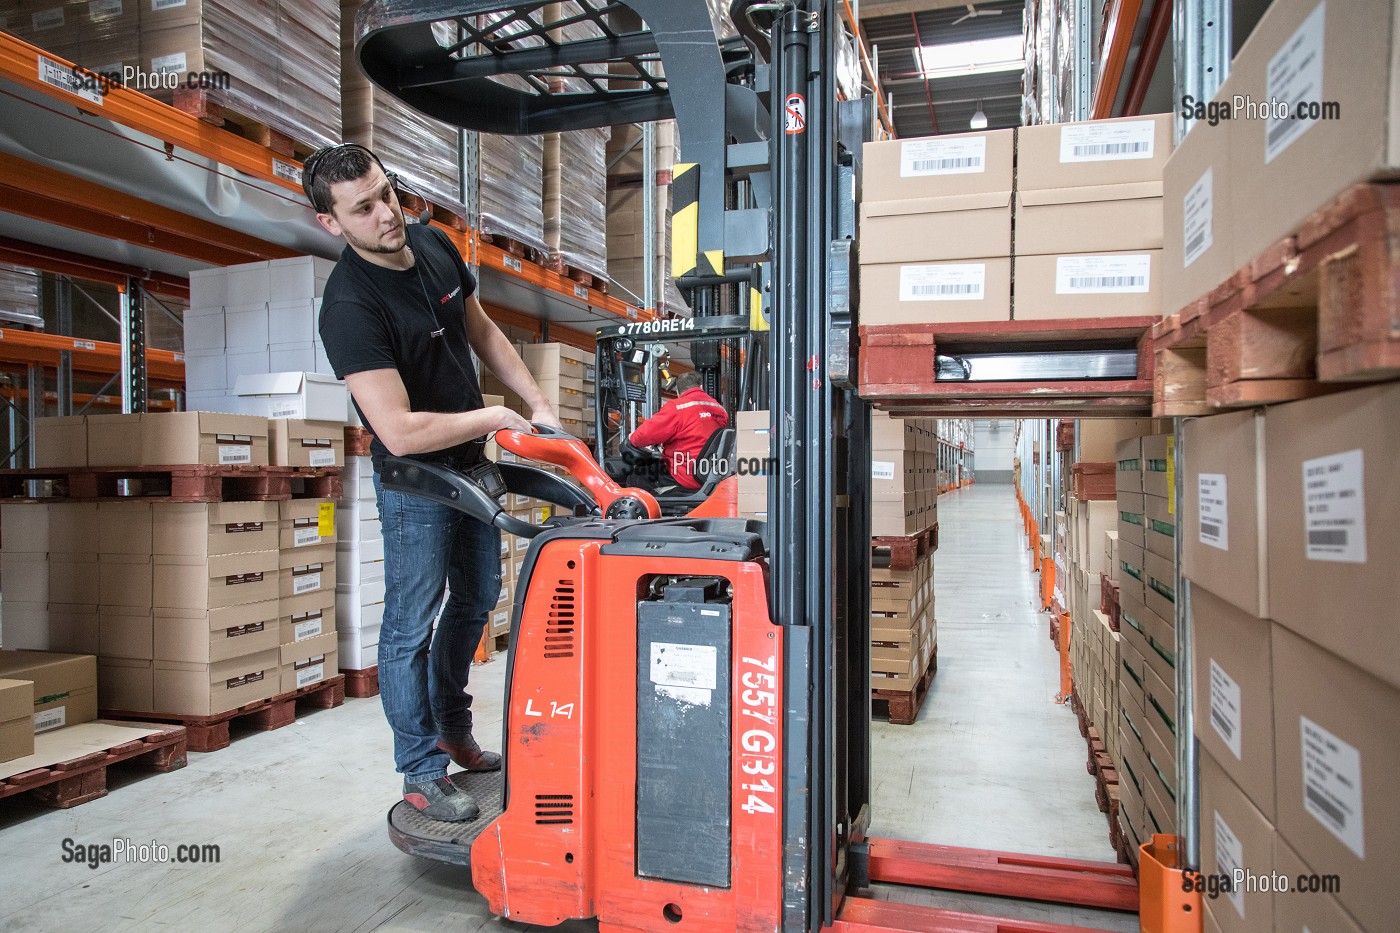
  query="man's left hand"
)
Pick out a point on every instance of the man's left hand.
point(546, 416)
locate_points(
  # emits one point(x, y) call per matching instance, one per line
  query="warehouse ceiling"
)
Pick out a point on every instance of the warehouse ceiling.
point(894, 31)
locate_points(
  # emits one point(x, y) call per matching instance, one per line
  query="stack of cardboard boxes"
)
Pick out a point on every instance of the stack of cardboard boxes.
point(1288, 534)
point(937, 242)
point(752, 453)
point(626, 223)
point(566, 376)
point(903, 475)
point(16, 719)
point(359, 589)
point(42, 692)
point(903, 628)
point(307, 562)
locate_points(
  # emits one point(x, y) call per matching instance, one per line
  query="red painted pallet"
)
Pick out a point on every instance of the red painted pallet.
point(68, 783)
point(214, 107)
point(1109, 596)
point(357, 440)
point(904, 551)
point(195, 482)
point(211, 733)
point(902, 706)
point(363, 684)
point(583, 277)
point(514, 247)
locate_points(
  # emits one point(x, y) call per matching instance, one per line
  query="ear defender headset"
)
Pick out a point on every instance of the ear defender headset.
point(309, 169)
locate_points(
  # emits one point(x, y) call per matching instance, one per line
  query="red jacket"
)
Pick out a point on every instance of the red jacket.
point(682, 427)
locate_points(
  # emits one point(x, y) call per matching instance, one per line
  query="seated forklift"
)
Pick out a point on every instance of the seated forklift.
point(687, 717)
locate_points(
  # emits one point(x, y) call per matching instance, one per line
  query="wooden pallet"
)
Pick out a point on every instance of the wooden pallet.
point(211, 106)
point(902, 706)
point(361, 685)
point(583, 277)
point(357, 441)
point(198, 482)
point(1094, 482)
point(68, 783)
point(514, 247)
point(414, 206)
point(1318, 309)
point(897, 368)
point(211, 733)
point(1110, 593)
point(905, 551)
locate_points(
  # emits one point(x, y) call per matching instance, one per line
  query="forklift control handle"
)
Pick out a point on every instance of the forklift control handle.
point(550, 445)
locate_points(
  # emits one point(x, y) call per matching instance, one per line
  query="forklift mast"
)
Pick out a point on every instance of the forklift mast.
point(784, 150)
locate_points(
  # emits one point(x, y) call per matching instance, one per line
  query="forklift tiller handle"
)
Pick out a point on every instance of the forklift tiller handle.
point(549, 445)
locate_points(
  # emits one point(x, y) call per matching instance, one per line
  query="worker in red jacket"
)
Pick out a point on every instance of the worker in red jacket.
point(682, 427)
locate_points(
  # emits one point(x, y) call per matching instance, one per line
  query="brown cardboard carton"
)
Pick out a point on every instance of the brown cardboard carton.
point(1159, 527)
point(72, 629)
point(307, 574)
point(1314, 52)
point(1075, 285)
point(306, 672)
point(1336, 757)
point(65, 685)
point(71, 579)
point(16, 719)
point(25, 577)
point(203, 437)
point(936, 229)
point(124, 581)
point(124, 528)
point(114, 440)
point(1159, 591)
point(1223, 519)
point(126, 684)
point(299, 524)
point(308, 648)
point(1234, 693)
point(204, 689)
point(1235, 836)
point(212, 529)
point(938, 167)
point(207, 636)
point(1099, 152)
point(1128, 456)
point(24, 526)
point(60, 441)
point(1333, 511)
point(307, 616)
point(124, 632)
point(1306, 911)
point(305, 443)
point(1094, 219)
point(72, 526)
point(197, 582)
point(919, 293)
point(1158, 459)
point(1160, 804)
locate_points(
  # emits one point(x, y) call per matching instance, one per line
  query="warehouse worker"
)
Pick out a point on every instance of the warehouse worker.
point(399, 320)
point(682, 427)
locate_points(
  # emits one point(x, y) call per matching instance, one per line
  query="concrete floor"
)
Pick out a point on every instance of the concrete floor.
point(299, 813)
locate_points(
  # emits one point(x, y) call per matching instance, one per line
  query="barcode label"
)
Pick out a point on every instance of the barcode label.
point(286, 411)
point(956, 282)
point(306, 583)
point(104, 9)
point(159, 5)
point(50, 719)
point(322, 457)
point(1198, 214)
point(1332, 784)
point(1108, 142)
point(170, 64)
point(235, 453)
point(1334, 508)
point(958, 156)
point(1103, 275)
point(882, 469)
point(510, 262)
point(311, 675)
point(1294, 75)
point(1225, 707)
point(301, 537)
point(1229, 858)
point(287, 171)
point(1213, 506)
point(61, 76)
point(51, 18)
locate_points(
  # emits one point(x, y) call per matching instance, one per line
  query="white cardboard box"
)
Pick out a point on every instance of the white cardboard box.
point(308, 395)
point(245, 326)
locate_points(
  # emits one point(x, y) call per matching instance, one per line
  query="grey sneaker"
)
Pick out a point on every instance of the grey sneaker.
point(441, 800)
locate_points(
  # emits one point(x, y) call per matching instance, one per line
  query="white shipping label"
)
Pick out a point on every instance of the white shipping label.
point(1332, 785)
point(1229, 858)
point(1103, 275)
point(285, 410)
point(286, 170)
point(1334, 508)
point(962, 156)
point(311, 674)
point(158, 5)
point(675, 665)
point(61, 76)
point(1198, 212)
point(170, 64)
point(235, 453)
point(51, 18)
point(322, 457)
point(50, 719)
point(1213, 508)
point(104, 9)
point(1107, 142)
point(956, 282)
point(301, 537)
point(1294, 76)
point(306, 583)
point(308, 629)
point(1225, 707)
point(881, 469)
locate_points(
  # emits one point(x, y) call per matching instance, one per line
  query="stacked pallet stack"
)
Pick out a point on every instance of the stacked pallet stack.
point(359, 591)
point(575, 201)
point(566, 376)
point(752, 453)
point(307, 590)
point(510, 185)
point(903, 636)
point(626, 221)
point(903, 475)
point(1289, 536)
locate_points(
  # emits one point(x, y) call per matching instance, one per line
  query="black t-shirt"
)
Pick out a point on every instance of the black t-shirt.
point(378, 318)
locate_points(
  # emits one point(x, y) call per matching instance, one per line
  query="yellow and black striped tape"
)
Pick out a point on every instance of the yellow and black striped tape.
point(685, 225)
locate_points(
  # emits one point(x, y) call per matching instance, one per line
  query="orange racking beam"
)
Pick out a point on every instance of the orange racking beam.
point(493, 257)
point(91, 357)
point(74, 265)
point(1117, 43)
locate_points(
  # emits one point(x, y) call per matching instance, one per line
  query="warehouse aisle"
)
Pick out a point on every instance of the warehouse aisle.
point(992, 762)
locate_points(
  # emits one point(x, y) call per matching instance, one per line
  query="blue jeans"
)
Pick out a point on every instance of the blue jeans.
point(427, 545)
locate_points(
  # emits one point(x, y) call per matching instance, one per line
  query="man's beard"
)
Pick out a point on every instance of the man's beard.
point(374, 247)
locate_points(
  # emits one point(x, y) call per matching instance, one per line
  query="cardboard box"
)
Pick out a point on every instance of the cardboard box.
point(317, 573)
point(71, 580)
point(25, 577)
point(1336, 758)
point(1128, 455)
point(920, 293)
point(1158, 457)
point(967, 226)
point(16, 719)
point(1333, 511)
point(199, 582)
point(71, 628)
point(306, 672)
point(1076, 285)
point(24, 527)
point(1307, 50)
point(125, 581)
point(554, 360)
point(1096, 219)
point(311, 614)
point(126, 684)
point(211, 529)
point(304, 395)
point(299, 524)
point(938, 167)
point(124, 528)
point(316, 646)
point(60, 441)
point(125, 633)
point(65, 685)
point(1127, 150)
point(1159, 590)
point(1235, 836)
point(114, 440)
point(1306, 911)
point(1234, 693)
point(294, 442)
point(207, 636)
point(1223, 521)
point(187, 688)
point(203, 437)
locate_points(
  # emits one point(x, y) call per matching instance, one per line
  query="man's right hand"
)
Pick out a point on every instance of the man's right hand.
point(507, 420)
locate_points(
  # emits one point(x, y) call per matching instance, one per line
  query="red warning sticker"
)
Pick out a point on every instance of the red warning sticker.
point(795, 114)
